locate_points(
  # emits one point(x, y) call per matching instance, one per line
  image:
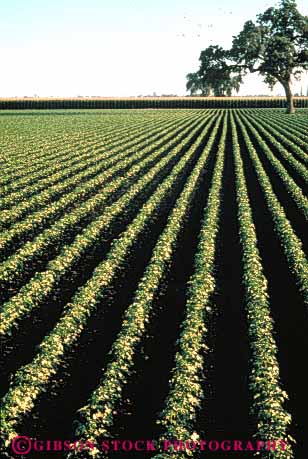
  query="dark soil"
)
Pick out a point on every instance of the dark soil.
point(224, 415)
point(145, 394)
point(287, 308)
point(53, 415)
point(33, 329)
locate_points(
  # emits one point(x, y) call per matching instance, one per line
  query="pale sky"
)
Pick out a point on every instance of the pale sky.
point(119, 47)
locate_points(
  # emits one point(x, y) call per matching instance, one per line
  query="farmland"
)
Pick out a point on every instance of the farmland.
point(37, 103)
point(153, 277)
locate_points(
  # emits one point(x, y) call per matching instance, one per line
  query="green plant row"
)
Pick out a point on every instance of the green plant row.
point(291, 244)
point(143, 103)
point(290, 124)
point(46, 149)
point(35, 292)
point(85, 199)
point(273, 421)
point(33, 379)
point(70, 178)
point(286, 132)
point(35, 134)
point(29, 127)
point(26, 148)
point(97, 416)
point(289, 127)
point(280, 137)
point(35, 142)
point(72, 156)
point(35, 254)
point(295, 121)
point(57, 154)
point(292, 188)
point(186, 386)
point(294, 163)
point(54, 157)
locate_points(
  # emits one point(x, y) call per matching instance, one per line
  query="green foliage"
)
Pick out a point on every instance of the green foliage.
point(273, 420)
point(33, 254)
point(133, 185)
point(34, 378)
point(193, 102)
point(290, 242)
point(196, 85)
point(97, 416)
point(275, 46)
point(186, 391)
point(289, 133)
point(290, 185)
point(214, 75)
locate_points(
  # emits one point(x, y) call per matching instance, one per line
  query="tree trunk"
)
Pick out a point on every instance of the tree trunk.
point(289, 96)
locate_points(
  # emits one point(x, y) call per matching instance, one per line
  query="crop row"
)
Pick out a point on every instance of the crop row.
point(286, 132)
point(62, 153)
point(79, 173)
point(291, 244)
point(33, 141)
point(273, 421)
point(186, 386)
point(33, 379)
point(65, 158)
point(36, 291)
point(276, 138)
point(73, 222)
point(294, 163)
point(97, 416)
point(67, 149)
point(47, 148)
point(85, 200)
point(290, 125)
point(104, 206)
point(290, 185)
point(297, 121)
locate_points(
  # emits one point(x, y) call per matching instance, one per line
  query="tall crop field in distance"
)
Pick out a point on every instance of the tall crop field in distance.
point(154, 279)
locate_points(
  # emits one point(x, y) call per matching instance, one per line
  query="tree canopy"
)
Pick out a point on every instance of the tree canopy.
point(214, 75)
point(275, 46)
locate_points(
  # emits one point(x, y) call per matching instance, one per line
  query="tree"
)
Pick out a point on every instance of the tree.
point(275, 46)
point(215, 71)
point(195, 84)
point(214, 75)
